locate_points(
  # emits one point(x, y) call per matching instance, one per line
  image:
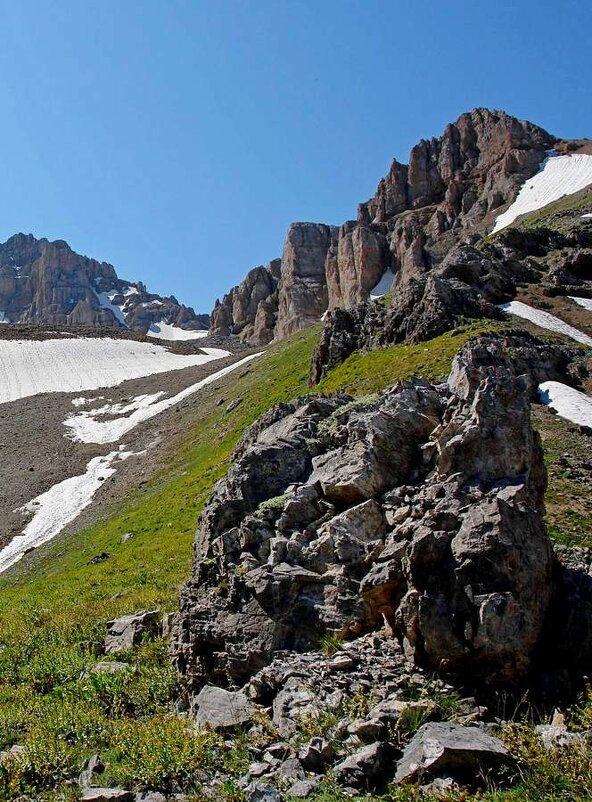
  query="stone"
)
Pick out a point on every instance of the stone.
point(106, 795)
point(364, 768)
point(556, 735)
point(109, 667)
point(262, 792)
point(129, 630)
point(303, 789)
point(447, 749)
point(221, 710)
point(94, 765)
point(316, 755)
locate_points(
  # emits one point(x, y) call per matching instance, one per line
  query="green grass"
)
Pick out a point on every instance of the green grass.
point(362, 374)
point(54, 605)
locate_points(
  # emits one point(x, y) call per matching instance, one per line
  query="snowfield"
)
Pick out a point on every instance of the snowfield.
point(585, 302)
point(558, 176)
point(60, 505)
point(384, 285)
point(545, 320)
point(28, 367)
point(166, 331)
point(86, 428)
point(568, 403)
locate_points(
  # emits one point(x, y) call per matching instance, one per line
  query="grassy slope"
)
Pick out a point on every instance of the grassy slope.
point(54, 602)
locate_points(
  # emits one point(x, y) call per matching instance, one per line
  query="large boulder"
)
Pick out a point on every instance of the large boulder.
point(419, 513)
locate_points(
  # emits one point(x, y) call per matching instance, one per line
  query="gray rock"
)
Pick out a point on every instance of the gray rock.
point(364, 768)
point(444, 748)
point(94, 765)
point(316, 755)
point(107, 795)
point(129, 630)
point(262, 792)
point(108, 667)
point(303, 789)
point(221, 710)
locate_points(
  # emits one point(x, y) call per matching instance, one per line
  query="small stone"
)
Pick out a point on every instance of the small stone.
point(221, 710)
point(303, 788)
point(262, 792)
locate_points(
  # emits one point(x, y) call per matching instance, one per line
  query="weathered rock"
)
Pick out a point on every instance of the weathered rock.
point(262, 792)
point(364, 768)
point(129, 630)
point(316, 755)
point(447, 749)
point(107, 795)
point(220, 709)
point(304, 535)
point(556, 735)
point(94, 765)
point(303, 789)
point(249, 309)
point(302, 290)
point(109, 667)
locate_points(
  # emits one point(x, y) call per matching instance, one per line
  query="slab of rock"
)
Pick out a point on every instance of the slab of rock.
point(364, 768)
point(262, 792)
point(447, 749)
point(129, 630)
point(107, 795)
point(220, 709)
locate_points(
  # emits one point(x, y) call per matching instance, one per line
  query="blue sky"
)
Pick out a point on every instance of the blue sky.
point(178, 139)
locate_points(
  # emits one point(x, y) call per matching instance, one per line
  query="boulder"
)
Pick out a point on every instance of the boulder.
point(221, 710)
point(130, 630)
point(447, 749)
point(365, 768)
point(107, 795)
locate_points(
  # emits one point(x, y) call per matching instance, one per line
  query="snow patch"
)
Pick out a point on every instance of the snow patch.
point(586, 216)
point(558, 176)
point(105, 299)
point(166, 331)
point(58, 506)
point(384, 285)
point(84, 427)
point(3, 318)
point(28, 367)
point(568, 403)
point(585, 302)
point(545, 320)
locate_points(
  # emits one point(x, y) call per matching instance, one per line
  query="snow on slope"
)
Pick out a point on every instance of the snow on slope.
point(545, 320)
point(28, 367)
point(568, 403)
point(60, 505)
point(384, 285)
point(84, 426)
point(166, 331)
point(585, 302)
point(586, 216)
point(559, 176)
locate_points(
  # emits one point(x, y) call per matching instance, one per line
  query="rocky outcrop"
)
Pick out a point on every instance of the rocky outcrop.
point(303, 296)
point(418, 516)
point(44, 282)
point(250, 309)
point(453, 188)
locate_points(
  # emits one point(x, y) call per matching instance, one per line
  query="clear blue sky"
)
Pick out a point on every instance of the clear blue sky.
point(177, 139)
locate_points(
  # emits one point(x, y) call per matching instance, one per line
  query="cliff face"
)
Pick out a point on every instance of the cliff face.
point(47, 282)
point(453, 186)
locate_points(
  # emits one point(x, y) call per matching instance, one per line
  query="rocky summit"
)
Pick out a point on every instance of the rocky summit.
point(453, 187)
point(44, 282)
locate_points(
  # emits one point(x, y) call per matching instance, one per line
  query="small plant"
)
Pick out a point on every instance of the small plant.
point(330, 643)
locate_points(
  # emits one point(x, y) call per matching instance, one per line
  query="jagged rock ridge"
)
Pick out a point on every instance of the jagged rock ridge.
point(44, 282)
point(453, 187)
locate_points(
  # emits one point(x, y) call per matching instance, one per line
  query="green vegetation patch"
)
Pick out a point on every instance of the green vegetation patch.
point(365, 373)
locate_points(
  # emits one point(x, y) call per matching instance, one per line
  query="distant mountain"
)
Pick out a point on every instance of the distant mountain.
point(452, 190)
point(44, 282)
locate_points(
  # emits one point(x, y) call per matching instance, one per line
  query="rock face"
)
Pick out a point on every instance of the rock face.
point(250, 309)
point(47, 282)
point(419, 515)
point(454, 186)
